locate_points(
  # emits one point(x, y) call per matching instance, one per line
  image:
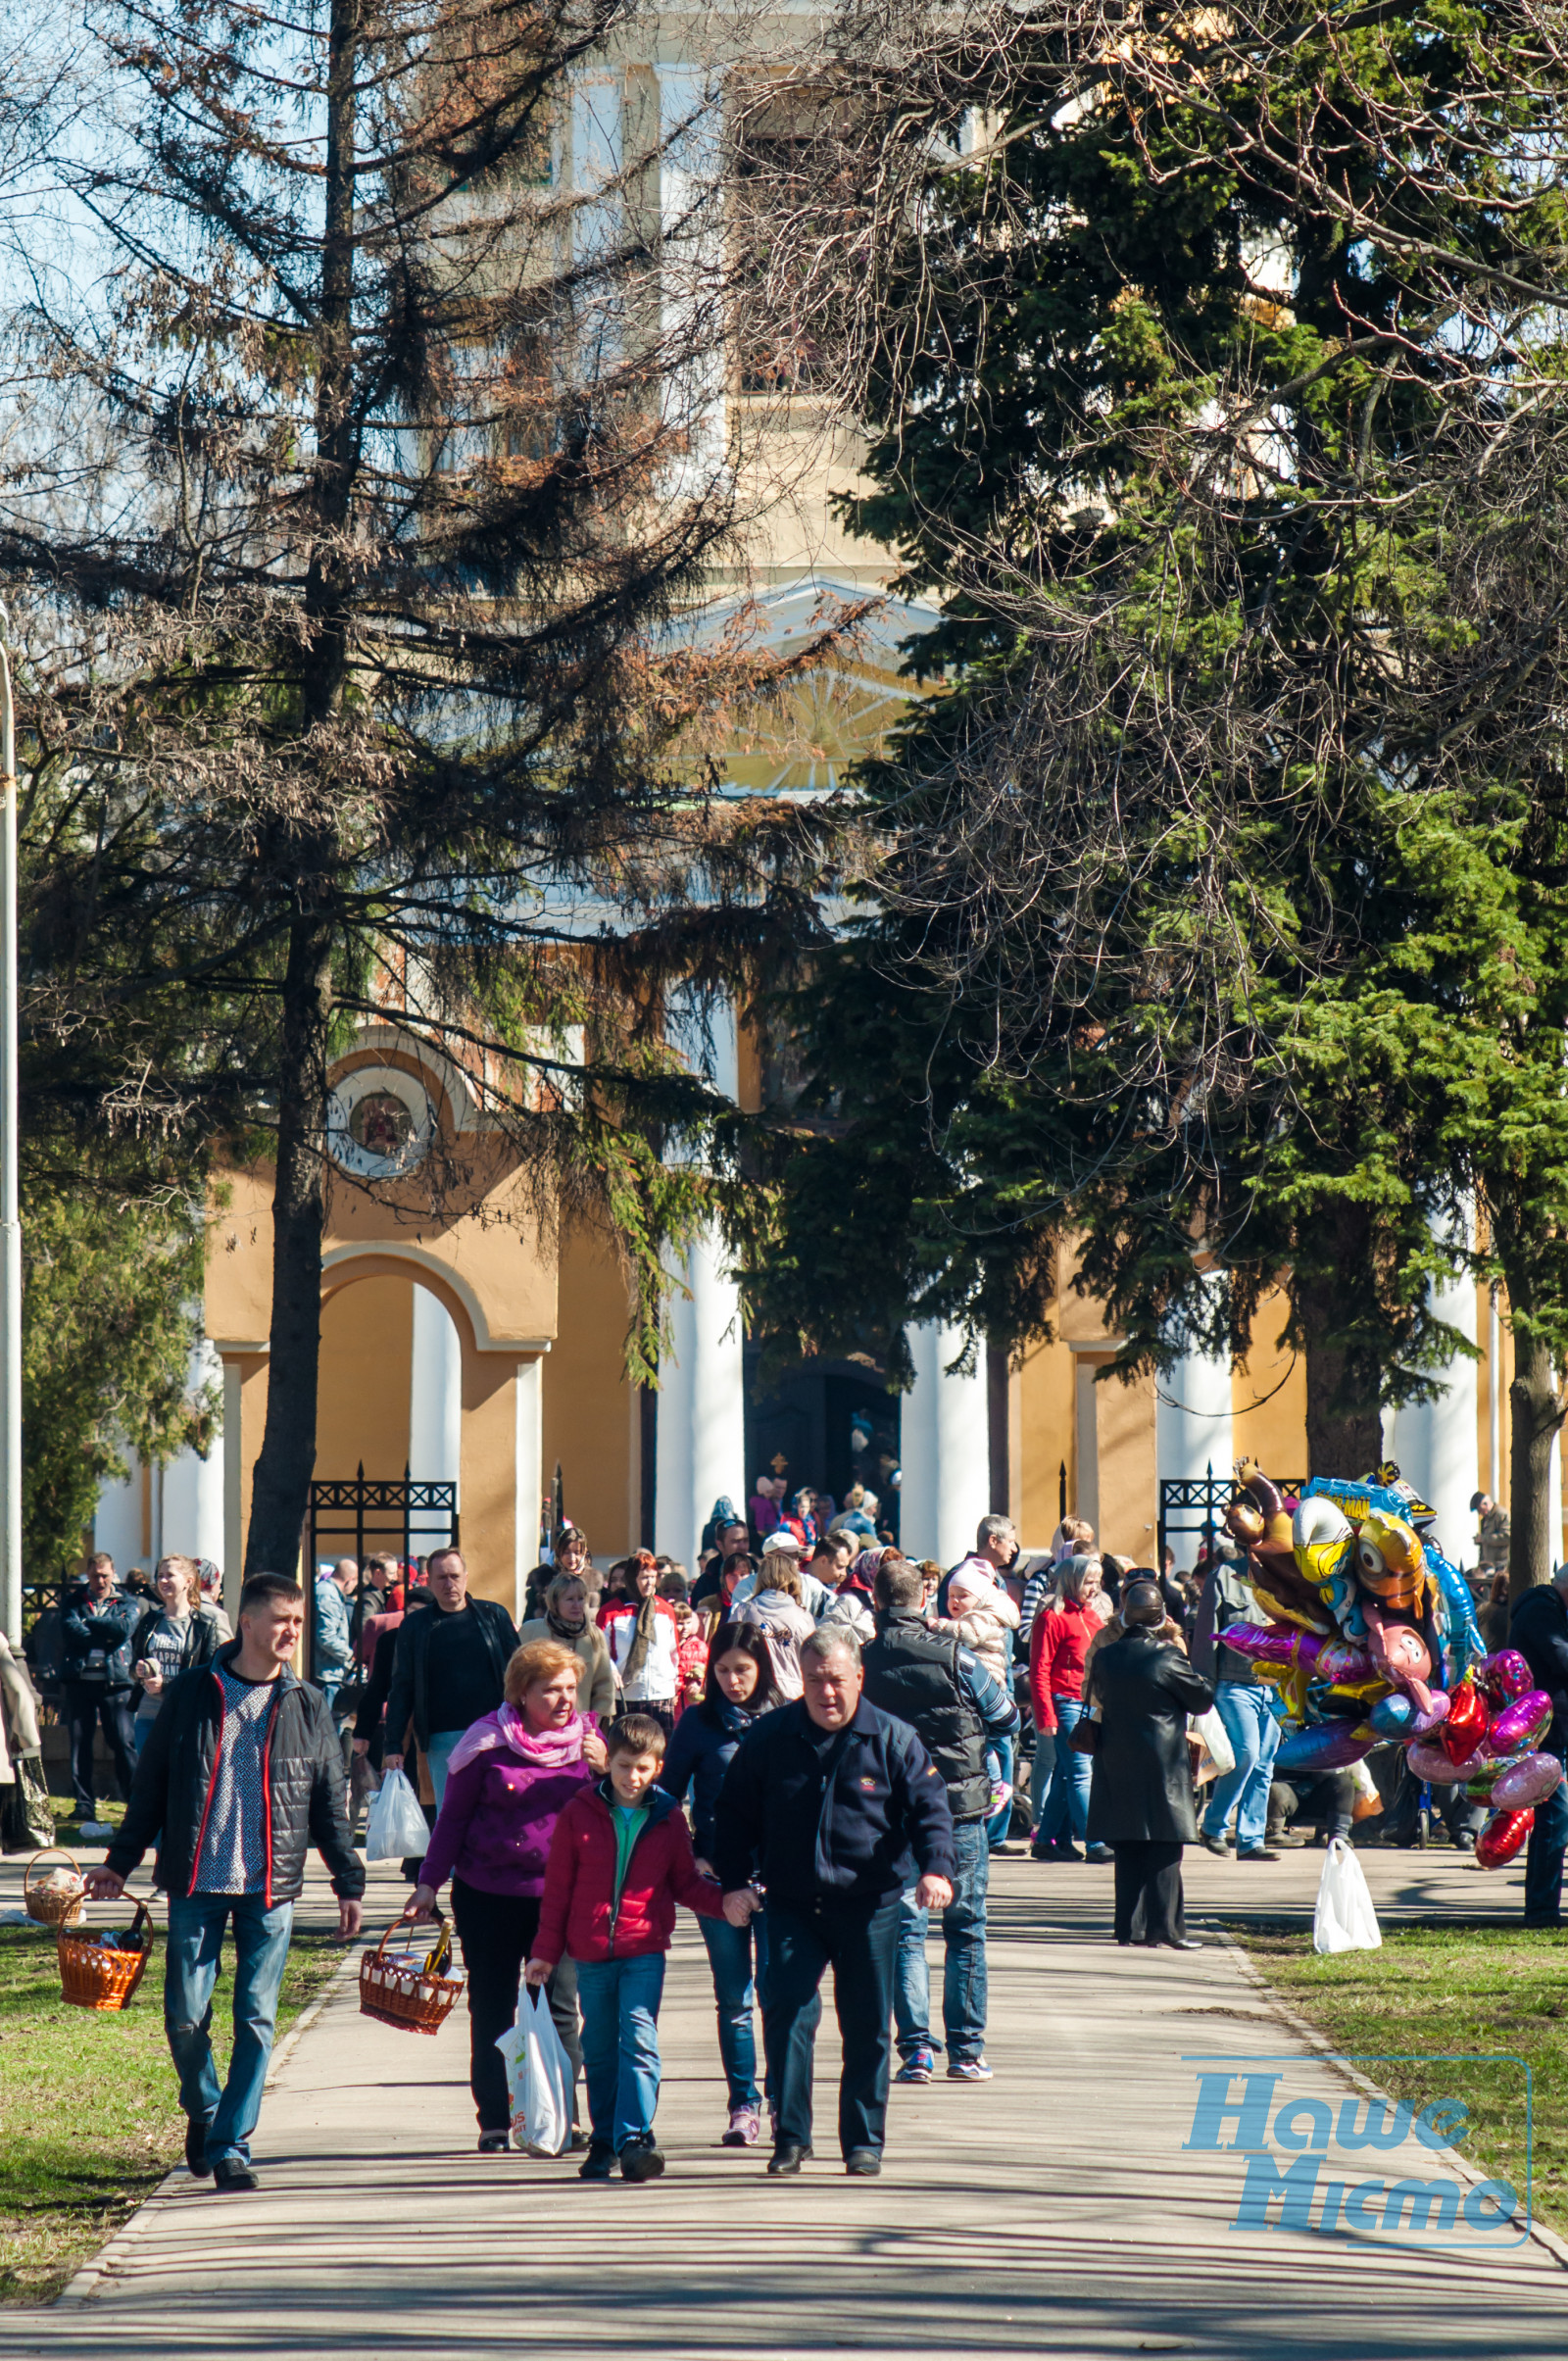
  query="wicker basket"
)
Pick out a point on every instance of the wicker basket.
point(53, 1905)
point(399, 1989)
point(91, 1977)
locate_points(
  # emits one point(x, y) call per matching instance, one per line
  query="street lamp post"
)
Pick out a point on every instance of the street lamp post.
point(10, 1201)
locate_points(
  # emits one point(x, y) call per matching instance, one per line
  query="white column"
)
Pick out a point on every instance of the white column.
point(702, 1406)
point(1437, 1444)
point(117, 1519)
point(692, 267)
point(189, 1502)
point(1192, 1430)
point(1555, 1500)
point(435, 1397)
point(529, 1479)
point(943, 1449)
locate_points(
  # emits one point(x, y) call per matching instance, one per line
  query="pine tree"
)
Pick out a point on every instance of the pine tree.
point(1221, 915)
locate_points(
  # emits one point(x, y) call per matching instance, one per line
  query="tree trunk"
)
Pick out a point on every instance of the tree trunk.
point(1343, 1419)
point(282, 1488)
point(1535, 1415)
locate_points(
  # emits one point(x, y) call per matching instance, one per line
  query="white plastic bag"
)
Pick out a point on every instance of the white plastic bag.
point(538, 2077)
point(395, 1830)
point(1217, 1755)
point(1345, 1919)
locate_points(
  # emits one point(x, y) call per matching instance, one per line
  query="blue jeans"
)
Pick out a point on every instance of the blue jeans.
point(1064, 1797)
point(619, 2002)
point(964, 1941)
point(1254, 1736)
point(996, 1827)
point(729, 1955)
point(1544, 1860)
point(438, 1755)
point(196, 1923)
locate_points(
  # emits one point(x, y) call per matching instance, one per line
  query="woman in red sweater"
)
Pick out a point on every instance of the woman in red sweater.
point(1057, 1647)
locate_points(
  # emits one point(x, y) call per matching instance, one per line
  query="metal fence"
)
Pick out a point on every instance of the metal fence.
point(1196, 1504)
point(383, 1516)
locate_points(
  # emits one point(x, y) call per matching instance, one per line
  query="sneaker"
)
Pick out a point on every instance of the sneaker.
point(196, 2147)
point(640, 2160)
point(231, 2175)
point(1000, 1798)
point(919, 2067)
point(744, 2128)
point(968, 2070)
point(1216, 1844)
point(598, 2163)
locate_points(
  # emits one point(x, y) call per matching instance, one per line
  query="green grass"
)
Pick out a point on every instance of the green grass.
point(1434, 1992)
point(89, 2115)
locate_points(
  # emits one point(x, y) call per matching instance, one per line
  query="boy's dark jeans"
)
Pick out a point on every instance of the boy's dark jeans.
point(860, 1942)
point(497, 1933)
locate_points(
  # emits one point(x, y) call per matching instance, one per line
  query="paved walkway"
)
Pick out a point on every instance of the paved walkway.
point(1054, 2210)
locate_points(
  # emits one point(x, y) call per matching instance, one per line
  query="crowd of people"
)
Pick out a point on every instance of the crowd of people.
point(814, 1745)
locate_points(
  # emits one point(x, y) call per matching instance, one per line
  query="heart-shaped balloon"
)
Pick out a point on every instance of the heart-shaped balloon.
point(1501, 1839)
point(1520, 1723)
point(1428, 1761)
point(1465, 1725)
point(1525, 1783)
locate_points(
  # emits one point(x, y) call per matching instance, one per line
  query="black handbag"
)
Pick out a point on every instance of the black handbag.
point(1085, 1739)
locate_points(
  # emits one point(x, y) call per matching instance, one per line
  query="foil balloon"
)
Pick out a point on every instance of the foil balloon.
point(1324, 1746)
point(1505, 1675)
point(1501, 1839)
point(1324, 1659)
point(1520, 1723)
point(1427, 1760)
point(1392, 1717)
point(1520, 1786)
point(1465, 1724)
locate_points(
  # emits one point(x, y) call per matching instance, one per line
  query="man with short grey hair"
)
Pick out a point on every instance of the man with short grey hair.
point(834, 1808)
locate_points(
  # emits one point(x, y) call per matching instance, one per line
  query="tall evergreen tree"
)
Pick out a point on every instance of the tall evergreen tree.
point(1216, 380)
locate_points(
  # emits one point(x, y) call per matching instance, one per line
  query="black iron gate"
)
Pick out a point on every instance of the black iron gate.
point(380, 1514)
point(1198, 1504)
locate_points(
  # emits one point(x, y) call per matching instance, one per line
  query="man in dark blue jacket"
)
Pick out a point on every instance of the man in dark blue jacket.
point(833, 1808)
point(1538, 1630)
point(99, 1620)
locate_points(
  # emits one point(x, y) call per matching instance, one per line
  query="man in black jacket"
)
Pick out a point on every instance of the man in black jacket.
point(99, 1621)
point(957, 1708)
point(824, 1804)
point(241, 1772)
point(1538, 1630)
point(449, 1668)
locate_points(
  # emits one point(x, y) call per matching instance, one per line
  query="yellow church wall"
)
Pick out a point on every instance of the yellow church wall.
point(1045, 1389)
point(366, 1370)
point(588, 1428)
point(487, 1479)
point(1129, 1489)
point(1268, 1399)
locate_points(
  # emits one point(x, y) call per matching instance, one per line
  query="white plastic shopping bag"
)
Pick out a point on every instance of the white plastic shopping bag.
point(1345, 1919)
point(395, 1830)
point(538, 2078)
point(1216, 1755)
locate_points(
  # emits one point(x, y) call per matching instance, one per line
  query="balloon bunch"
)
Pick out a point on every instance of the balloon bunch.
point(1364, 1612)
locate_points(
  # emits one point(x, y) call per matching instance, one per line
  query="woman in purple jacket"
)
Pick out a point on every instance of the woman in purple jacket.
point(511, 1776)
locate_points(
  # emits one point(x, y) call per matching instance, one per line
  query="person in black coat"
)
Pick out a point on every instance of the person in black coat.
point(1140, 1800)
point(1539, 1632)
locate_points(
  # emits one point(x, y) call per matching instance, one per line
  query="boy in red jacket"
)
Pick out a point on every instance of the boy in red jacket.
point(619, 1860)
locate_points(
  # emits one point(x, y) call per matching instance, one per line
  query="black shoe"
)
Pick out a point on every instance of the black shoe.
point(1099, 1855)
point(1178, 1942)
point(492, 2144)
point(640, 2160)
point(1286, 1838)
point(233, 2174)
point(1257, 1853)
point(598, 2163)
point(196, 2148)
point(787, 2159)
point(1217, 1846)
point(579, 2141)
point(1540, 1923)
point(863, 2163)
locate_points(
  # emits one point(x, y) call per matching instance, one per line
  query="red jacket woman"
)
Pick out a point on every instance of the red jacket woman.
point(583, 1915)
point(1059, 1642)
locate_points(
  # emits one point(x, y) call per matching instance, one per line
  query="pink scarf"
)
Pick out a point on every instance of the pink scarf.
point(542, 1750)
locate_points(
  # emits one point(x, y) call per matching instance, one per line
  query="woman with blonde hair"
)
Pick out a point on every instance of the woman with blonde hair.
point(510, 1777)
point(566, 1618)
